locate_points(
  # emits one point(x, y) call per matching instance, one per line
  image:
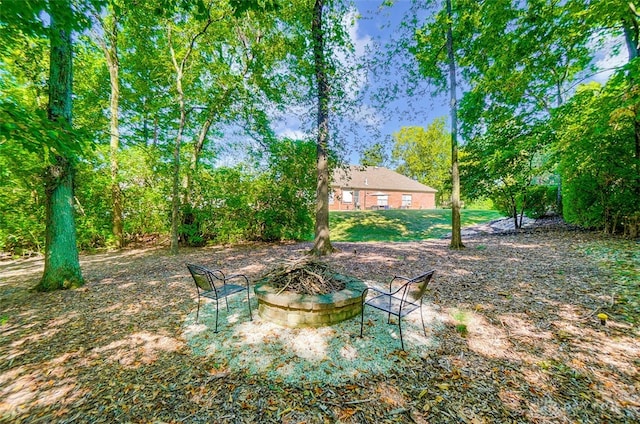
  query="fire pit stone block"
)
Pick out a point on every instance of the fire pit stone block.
point(303, 310)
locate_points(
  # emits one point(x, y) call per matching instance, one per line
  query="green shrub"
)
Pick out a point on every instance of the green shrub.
point(541, 200)
point(484, 204)
point(22, 201)
point(272, 204)
point(597, 155)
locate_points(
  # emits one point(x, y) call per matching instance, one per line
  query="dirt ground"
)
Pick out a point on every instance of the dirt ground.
point(520, 340)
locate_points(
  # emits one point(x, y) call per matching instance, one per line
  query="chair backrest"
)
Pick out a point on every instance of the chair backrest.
point(206, 279)
point(417, 287)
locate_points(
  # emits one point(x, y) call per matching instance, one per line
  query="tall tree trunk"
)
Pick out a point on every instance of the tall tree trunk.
point(322, 243)
point(632, 38)
point(558, 175)
point(631, 34)
point(175, 185)
point(180, 67)
point(61, 262)
point(110, 47)
point(636, 133)
point(188, 216)
point(198, 145)
point(456, 235)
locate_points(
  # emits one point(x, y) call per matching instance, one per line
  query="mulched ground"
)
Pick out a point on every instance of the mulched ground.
point(520, 342)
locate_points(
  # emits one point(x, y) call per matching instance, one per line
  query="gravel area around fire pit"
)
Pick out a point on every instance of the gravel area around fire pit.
point(330, 354)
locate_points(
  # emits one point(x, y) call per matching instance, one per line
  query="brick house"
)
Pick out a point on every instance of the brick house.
point(374, 187)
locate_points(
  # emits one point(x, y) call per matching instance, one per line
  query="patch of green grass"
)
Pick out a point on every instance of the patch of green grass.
point(461, 318)
point(400, 225)
point(622, 258)
point(459, 315)
point(462, 329)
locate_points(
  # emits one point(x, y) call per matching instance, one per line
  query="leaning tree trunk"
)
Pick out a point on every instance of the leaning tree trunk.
point(188, 216)
point(456, 236)
point(61, 261)
point(322, 243)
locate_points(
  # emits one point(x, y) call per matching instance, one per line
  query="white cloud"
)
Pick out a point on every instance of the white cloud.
point(368, 115)
point(294, 121)
point(360, 43)
point(357, 77)
point(609, 57)
point(294, 134)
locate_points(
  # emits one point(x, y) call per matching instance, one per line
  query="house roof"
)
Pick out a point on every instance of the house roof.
point(376, 178)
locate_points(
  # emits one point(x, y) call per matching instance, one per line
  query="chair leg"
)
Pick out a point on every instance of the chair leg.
point(249, 304)
point(422, 319)
point(400, 327)
point(198, 312)
point(217, 307)
point(361, 320)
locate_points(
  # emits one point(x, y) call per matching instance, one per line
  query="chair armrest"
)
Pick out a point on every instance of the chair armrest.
point(232, 276)
point(397, 277)
point(218, 274)
point(389, 293)
point(363, 295)
point(366, 290)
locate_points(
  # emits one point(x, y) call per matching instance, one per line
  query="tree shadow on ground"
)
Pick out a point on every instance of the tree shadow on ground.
point(512, 338)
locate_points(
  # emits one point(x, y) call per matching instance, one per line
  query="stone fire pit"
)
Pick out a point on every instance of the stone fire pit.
point(291, 309)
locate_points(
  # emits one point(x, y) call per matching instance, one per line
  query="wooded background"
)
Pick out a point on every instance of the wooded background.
point(166, 93)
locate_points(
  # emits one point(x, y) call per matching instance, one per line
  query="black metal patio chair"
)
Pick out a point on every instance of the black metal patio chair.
point(213, 284)
point(399, 302)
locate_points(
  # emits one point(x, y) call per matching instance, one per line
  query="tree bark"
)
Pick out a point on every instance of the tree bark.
point(180, 67)
point(631, 35)
point(632, 38)
point(456, 236)
point(322, 243)
point(636, 134)
point(110, 47)
point(61, 262)
point(175, 185)
point(198, 145)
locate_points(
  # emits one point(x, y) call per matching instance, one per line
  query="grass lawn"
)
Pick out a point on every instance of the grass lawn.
point(400, 225)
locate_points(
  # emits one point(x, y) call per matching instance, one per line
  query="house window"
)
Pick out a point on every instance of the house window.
point(332, 196)
point(406, 200)
point(383, 200)
point(347, 197)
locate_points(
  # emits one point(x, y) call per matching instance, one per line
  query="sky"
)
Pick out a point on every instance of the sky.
point(378, 26)
point(373, 30)
point(370, 28)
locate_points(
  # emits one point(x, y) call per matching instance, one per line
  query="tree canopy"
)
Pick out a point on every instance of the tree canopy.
point(425, 154)
point(175, 107)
